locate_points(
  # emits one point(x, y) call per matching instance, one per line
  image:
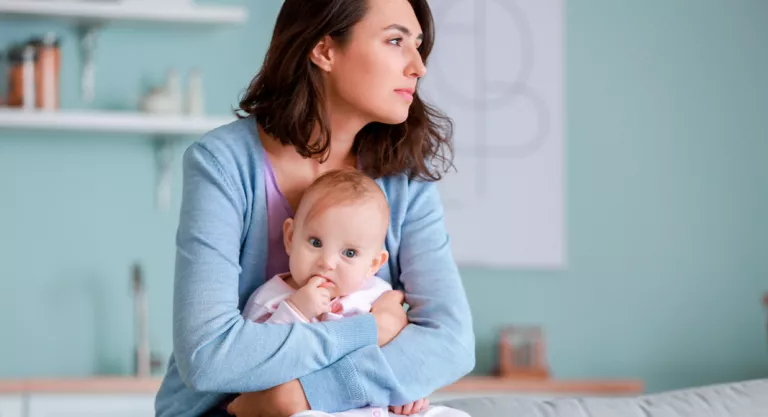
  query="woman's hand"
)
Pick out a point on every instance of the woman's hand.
point(281, 401)
point(390, 316)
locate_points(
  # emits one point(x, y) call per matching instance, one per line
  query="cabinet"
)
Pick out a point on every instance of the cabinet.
point(90, 405)
point(134, 397)
point(11, 406)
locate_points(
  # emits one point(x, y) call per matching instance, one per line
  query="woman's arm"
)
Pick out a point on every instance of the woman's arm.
point(216, 349)
point(434, 350)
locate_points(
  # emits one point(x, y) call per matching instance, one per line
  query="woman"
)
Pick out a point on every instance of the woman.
point(337, 89)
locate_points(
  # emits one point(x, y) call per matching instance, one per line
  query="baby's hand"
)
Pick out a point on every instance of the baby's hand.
point(312, 299)
point(412, 408)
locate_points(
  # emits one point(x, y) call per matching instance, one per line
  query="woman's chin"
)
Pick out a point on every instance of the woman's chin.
point(393, 118)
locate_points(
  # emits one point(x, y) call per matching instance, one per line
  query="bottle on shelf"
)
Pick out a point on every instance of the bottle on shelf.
point(47, 69)
point(195, 93)
point(33, 73)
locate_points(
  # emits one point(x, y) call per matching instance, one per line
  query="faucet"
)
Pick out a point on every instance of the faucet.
point(142, 354)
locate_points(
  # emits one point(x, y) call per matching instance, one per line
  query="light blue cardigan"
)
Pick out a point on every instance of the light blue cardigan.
point(221, 258)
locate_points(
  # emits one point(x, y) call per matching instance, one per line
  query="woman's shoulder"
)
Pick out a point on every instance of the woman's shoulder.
point(234, 149)
point(235, 140)
point(403, 191)
point(230, 159)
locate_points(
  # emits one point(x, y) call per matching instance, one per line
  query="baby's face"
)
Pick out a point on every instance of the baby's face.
point(343, 244)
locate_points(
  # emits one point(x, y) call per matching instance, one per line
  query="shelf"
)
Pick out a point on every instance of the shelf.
point(96, 11)
point(480, 384)
point(109, 122)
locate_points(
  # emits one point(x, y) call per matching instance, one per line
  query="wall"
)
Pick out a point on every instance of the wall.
point(667, 191)
point(78, 209)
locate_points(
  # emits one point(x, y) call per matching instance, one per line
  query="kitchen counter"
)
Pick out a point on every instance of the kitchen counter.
point(81, 385)
point(123, 385)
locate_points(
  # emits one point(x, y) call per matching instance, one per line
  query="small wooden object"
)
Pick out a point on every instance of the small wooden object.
point(765, 305)
point(522, 353)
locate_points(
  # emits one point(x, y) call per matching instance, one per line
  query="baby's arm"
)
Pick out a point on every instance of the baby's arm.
point(266, 306)
point(286, 314)
point(260, 306)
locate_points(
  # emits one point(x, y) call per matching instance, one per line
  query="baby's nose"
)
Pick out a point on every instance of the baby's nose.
point(328, 262)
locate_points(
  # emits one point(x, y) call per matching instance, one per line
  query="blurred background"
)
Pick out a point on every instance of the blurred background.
point(665, 128)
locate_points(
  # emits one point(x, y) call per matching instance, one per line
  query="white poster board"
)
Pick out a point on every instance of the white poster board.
point(497, 71)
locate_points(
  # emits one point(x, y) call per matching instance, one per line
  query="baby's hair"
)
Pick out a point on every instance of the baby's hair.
point(340, 187)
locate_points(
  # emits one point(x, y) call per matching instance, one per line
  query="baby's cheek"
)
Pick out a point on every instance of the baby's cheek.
point(342, 289)
point(354, 282)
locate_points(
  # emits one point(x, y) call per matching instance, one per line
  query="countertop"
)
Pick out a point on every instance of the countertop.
point(126, 385)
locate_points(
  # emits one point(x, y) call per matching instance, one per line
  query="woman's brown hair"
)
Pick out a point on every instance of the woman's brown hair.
point(287, 99)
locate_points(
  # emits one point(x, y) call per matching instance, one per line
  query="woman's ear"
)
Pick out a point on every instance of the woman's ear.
point(377, 262)
point(288, 234)
point(322, 54)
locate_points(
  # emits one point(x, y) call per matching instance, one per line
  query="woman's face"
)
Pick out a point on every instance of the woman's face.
point(374, 75)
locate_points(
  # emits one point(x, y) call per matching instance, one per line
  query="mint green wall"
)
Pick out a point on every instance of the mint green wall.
point(667, 194)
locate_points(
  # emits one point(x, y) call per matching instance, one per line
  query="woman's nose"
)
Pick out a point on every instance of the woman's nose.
point(416, 68)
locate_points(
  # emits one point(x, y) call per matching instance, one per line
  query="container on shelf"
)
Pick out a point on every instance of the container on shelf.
point(33, 74)
point(47, 70)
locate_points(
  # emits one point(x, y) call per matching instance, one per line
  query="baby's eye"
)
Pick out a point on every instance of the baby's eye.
point(315, 242)
point(350, 253)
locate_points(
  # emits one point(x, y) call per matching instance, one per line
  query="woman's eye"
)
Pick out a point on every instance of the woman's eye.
point(315, 242)
point(350, 253)
point(396, 41)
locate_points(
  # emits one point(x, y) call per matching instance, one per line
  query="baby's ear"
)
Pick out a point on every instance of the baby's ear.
point(288, 234)
point(377, 262)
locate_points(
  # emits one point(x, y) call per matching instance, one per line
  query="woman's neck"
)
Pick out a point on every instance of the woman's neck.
point(294, 173)
point(344, 129)
point(343, 133)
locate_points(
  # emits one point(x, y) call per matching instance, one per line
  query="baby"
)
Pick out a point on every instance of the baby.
point(335, 246)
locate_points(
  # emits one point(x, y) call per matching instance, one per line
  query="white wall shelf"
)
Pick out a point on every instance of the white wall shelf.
point(109, 122)
point(90, 15)
point(92, 11)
